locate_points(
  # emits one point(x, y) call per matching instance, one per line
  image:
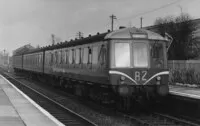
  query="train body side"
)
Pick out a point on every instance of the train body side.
point(18, 62)
point(76, 63)
point(33, 62)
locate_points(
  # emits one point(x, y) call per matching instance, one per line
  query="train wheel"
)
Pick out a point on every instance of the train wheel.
point(61, 83)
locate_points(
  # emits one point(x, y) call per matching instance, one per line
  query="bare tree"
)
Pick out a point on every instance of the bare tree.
point(181, 28)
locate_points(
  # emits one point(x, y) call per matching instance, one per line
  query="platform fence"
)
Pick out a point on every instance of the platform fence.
point(184, 71)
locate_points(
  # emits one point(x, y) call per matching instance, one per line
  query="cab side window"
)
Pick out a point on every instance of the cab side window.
point(102, 55)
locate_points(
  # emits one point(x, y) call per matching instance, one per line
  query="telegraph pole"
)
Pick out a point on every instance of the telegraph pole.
point(181, 9)
point(112, 21)
point(53, 38)
point(141, 22)
point(79, 35)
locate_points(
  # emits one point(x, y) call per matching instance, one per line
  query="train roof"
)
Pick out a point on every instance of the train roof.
point(125, 33)
point(128, 33)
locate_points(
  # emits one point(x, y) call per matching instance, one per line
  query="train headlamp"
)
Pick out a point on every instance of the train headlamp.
point(158, 78)
point(122, 78)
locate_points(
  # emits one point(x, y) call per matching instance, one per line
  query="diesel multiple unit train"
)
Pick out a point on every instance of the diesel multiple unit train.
point(123, 66)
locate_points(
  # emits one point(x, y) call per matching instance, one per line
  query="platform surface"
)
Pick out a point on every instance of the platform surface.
point(185, 91)
point(18, 110)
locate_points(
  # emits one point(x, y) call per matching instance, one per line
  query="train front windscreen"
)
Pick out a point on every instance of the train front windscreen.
point(140, 54)
point(131, 54)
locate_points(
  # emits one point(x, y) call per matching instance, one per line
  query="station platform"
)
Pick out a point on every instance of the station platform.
point(185, 91)
point(17, 109)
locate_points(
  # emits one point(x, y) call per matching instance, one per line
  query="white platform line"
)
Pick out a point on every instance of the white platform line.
point(185, 94)
point(35, 104)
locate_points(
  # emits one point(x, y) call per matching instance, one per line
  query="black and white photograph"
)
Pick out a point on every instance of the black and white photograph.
point(99, 62)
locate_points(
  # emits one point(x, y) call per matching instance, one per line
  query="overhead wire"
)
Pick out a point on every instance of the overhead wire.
point(150, 11)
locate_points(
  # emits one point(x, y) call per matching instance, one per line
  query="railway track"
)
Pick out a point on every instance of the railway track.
point(146, 119)
point(158, 119)
point(98, 116)
point(59, 111)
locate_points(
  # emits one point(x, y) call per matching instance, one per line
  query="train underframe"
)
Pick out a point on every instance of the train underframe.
point(102, 94)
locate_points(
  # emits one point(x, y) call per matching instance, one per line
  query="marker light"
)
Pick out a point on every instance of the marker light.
point(158, 78)
point(122, 78)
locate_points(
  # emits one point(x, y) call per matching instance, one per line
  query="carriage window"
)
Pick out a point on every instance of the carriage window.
point(60, 57)
point(73, 56)
point(77, 56)
point(122, 55)
point(56, 57)
point(47, 59)
point(63, 56)
point(39, 59)
point(36, 57)
point(81, 55)
point(95, 55)
point(140, 54)
point(70, 56)
point(66, 56)
point(85, 55)
point(51, 58)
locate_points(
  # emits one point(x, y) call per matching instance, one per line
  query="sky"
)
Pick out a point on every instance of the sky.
point(33, 21)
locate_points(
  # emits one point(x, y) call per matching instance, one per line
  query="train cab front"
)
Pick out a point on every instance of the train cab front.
point(138, 65)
